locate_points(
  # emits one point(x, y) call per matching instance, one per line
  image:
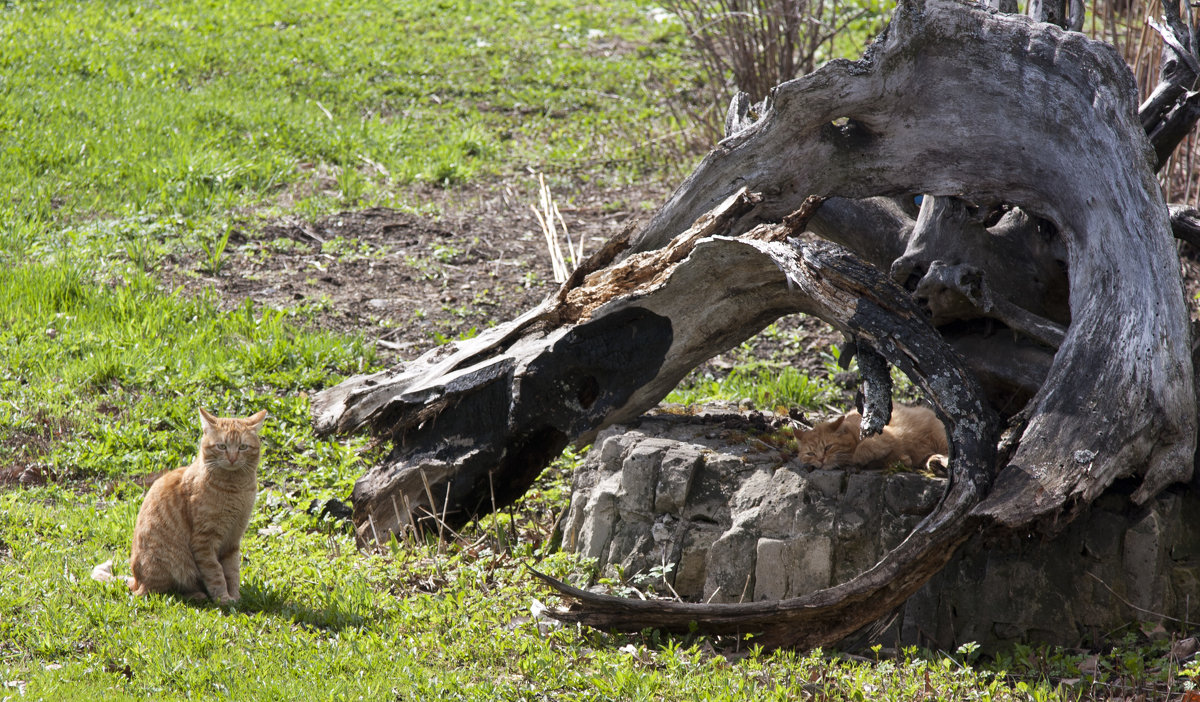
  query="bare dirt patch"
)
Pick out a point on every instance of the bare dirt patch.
point(29, 446)
point(408, 281)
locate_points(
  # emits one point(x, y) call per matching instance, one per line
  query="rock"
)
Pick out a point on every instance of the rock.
point(679, 465)
point(740, 523)
point(729, 570)
point(737, 522)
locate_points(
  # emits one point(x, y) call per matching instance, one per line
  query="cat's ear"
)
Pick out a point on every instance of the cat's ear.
point(207, 421)
point(837, 423)
point(255, 421)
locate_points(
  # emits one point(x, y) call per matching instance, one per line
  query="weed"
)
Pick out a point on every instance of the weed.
point(754, 46)
point(445, 253)
point(764, 385)
point(214, 251)
point(351, 249)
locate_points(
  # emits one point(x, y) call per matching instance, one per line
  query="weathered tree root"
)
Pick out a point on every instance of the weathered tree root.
point(830, 283)
point(1054, 133)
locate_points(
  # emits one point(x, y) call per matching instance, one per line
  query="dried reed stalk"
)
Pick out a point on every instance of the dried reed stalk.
point(1125, 25)
point(753, 45)
point(547, 216)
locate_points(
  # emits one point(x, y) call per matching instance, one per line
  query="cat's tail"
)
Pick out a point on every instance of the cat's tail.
point(103, 573)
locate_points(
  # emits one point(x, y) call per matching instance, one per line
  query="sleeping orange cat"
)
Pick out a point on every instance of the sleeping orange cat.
point(188, 534)
point(910, 439)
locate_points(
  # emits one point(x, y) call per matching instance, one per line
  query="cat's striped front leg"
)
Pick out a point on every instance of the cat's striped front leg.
point(231, 565)
point(211, 572)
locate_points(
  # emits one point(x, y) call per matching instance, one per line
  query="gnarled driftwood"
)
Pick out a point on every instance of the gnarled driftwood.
point(980, 112)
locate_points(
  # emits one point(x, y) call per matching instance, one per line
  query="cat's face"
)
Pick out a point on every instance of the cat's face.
point(230, 443)
point(827, 445)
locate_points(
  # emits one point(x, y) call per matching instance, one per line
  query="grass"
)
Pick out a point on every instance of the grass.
point(319, 620)
point(196, 108)
point(134, 132)
point(761, 385)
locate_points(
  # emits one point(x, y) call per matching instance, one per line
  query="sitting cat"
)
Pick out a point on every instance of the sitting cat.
point(911, 438)
point(188, 534)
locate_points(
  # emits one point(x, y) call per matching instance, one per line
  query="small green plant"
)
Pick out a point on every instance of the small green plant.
point(427, 269)
point(969, 652)
point(445, 253)
point(144, 252)
point(350, 249)
point(214, 251)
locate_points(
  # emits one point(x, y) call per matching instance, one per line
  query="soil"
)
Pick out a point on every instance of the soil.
point(407, 282)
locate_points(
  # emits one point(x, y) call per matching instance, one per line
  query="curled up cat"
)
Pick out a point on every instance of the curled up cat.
point(188, 534)
point(912, 438)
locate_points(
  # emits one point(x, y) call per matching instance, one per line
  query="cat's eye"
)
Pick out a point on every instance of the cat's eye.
point(221, 446)
point(242, 447)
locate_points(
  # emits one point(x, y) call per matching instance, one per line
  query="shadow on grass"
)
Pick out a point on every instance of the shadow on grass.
point(335, 615)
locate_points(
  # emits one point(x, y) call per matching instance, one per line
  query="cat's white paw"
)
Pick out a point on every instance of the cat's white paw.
point(103, 572)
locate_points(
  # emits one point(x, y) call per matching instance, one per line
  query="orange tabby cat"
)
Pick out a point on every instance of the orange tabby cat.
point(913, 435)
point(188, 534)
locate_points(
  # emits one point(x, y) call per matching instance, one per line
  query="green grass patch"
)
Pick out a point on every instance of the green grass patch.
point(319, 620)
point(764, 385)
point(765, 379)
point(196, 108)
point(421, 620)
point(101, 371)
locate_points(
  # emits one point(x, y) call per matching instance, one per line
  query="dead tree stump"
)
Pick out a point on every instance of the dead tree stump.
point(1003, 124)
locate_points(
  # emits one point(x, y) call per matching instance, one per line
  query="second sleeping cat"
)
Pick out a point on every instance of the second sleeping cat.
point(912, 436)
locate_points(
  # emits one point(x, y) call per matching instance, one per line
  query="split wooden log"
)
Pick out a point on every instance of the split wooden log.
point(476, 421)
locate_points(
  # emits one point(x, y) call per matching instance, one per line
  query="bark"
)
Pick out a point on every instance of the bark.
point(927, 256)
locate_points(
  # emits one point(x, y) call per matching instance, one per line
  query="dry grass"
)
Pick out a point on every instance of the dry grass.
point(1125, 25)
point(753, 45)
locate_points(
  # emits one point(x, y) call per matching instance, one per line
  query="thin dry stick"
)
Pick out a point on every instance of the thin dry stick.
point(429, 496)
point(396, 511)
point(445, 508)
point(512, 526)
point(746, 587)
point(576, 255)
point(668, 582)
point(1189, 143)
point(545, 217)
point(1191, 172)
point(1140, 609)
point(371, 521)
point(492, 490)
point(410, 529)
